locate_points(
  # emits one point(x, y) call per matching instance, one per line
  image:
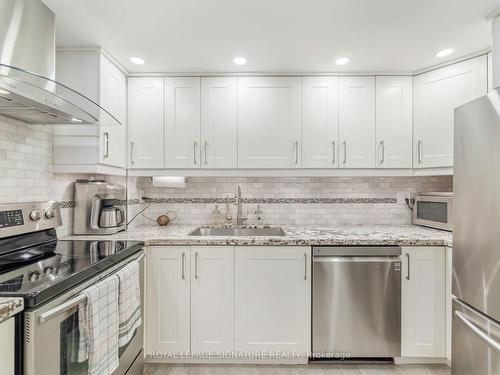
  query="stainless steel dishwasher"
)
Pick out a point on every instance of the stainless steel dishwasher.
point(356, 302)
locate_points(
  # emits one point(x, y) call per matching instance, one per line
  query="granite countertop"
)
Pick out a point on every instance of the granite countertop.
point(354, 235)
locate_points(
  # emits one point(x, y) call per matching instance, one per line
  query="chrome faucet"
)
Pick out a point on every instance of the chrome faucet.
point(237, 201)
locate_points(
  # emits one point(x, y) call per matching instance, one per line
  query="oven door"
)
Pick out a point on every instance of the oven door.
point(435, 212)
point(51, 336)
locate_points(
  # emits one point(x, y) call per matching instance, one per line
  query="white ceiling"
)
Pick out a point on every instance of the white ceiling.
point(275, 35)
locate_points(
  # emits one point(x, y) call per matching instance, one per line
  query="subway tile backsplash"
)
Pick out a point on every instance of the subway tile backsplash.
point(26, 172)
point(307, 201)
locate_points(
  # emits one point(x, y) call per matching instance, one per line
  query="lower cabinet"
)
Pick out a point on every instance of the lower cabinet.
point(423, 315)
point(226, 299)
point(168, 311)
point(212, 298)
point(273, 299)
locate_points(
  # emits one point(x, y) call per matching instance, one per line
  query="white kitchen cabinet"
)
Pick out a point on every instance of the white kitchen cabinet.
point(182, 122)
point(168, 309)
point(146, 126)
point(320, 122)
point(436, 95)
point(92, 148)
point(393, 122)
point(357, 122)
point(449, 318)
point(273, 298)
point(423, 331)
point(269, 122)
point(219, 122)
point(212, 298)
point(7, 344)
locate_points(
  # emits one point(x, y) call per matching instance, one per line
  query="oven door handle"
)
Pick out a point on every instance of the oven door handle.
point(70, 303)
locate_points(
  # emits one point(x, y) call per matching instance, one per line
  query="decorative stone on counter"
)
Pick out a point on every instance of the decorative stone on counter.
point(348, 235)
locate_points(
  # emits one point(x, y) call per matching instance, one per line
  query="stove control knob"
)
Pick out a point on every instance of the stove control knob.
point(50, 213)
point(34, 276)
point(49, 270)
point(35, 215)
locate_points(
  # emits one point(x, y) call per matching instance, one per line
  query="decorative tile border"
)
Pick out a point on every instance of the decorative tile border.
point(71, 204)
point(267, 200)
point(66, 204)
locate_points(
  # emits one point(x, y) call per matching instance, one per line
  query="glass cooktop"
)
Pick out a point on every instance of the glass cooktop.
point(41, 272)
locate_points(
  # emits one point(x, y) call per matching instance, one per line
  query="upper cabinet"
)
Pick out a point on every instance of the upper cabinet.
point(436, 95)
point(393, 122)
point(182, 122)
point(146, 126)
point(269, 122)
point(99, 148)
point(219, 122)
point(357, 122)
point(320, 122)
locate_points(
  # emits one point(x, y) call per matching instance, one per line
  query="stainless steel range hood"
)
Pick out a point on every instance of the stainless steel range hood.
point(28, 89)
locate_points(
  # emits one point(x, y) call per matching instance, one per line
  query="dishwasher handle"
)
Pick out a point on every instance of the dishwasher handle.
point(357, 259)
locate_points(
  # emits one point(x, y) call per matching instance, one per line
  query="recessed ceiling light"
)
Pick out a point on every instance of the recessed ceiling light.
point(74, 119)
point(4, 92)
point(240, 60)
point(137, 60)
point(342, 60)
point(445, 52)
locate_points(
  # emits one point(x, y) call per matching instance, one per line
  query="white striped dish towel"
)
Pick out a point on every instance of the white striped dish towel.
point(98, 326)
point(129, 302)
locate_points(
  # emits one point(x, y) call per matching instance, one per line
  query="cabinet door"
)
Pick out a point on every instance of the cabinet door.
point(212, 298)
point(320, 122)
point(357, 122)
point(182, 116)
point(145, 123)
point(273, 298)
point(423, 331)
point(113, 97)
point(269, 117)
point(449, 318)
point(219, 127)
point(394, 122)
point(436, 95)
point(168, 299)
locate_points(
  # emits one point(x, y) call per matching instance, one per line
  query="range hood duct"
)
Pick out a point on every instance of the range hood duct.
point(28, 89)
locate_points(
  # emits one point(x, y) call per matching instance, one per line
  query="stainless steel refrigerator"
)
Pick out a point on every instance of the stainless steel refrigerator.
point(476, 238)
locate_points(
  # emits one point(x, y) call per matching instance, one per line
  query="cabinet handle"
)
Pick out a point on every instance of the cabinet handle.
point(183, 261)
point(333, 155)
point(106, 137)
point(206, 160)
point(196, 265)
point(305, 266)
point(382, 157)
point(132, 144)
point(345, 151)
point(419, 152)
point(408, 269)
point(296, 152)
point(194, 152)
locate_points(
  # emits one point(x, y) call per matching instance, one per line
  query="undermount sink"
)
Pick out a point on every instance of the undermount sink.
point(234, 232)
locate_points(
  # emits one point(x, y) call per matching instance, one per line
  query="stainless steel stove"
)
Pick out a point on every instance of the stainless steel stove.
point(49, 275)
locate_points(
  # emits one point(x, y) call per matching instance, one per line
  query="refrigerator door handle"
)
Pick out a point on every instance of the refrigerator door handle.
point(478, 331)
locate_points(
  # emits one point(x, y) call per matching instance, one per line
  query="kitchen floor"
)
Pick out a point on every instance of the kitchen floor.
point(154, 369)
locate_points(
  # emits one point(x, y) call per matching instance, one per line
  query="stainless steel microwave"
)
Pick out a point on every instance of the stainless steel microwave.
point(434, 210)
